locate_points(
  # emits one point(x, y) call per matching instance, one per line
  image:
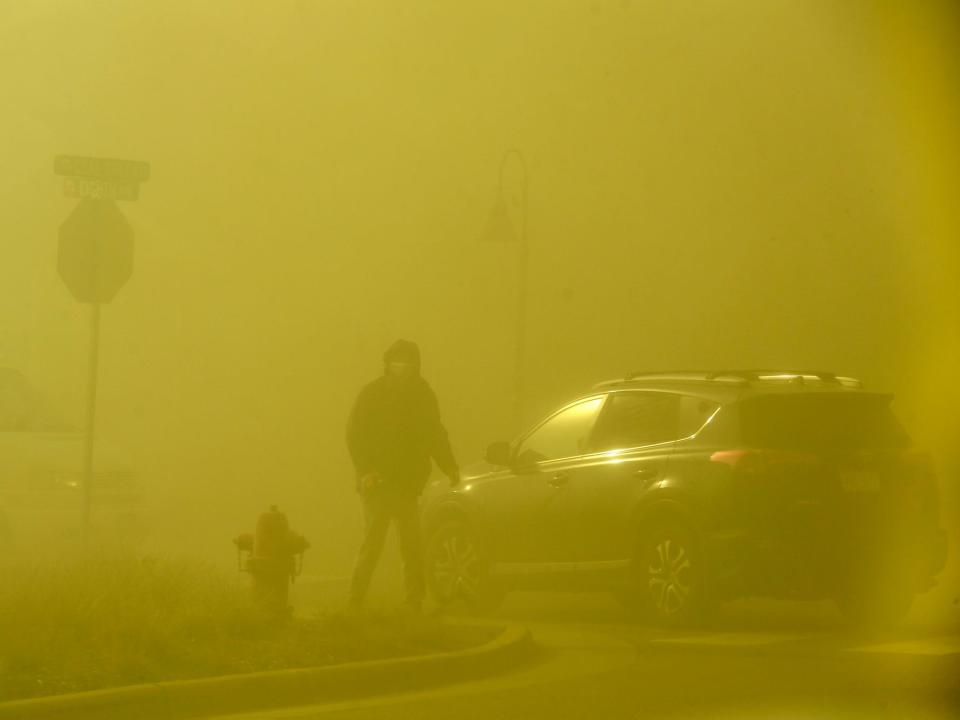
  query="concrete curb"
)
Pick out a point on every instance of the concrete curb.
point(254, 691)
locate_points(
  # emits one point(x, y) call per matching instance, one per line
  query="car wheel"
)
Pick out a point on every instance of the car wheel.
point(666, 587)
point(457, 570)
point(6, 535)
point(876, 605)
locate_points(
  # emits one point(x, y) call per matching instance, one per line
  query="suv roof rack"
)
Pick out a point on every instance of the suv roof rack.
point(741, 377)
point(686, 375)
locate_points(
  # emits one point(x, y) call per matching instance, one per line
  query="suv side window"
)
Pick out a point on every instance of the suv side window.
point(694, 413)
point(563, 435)
point(637, 418)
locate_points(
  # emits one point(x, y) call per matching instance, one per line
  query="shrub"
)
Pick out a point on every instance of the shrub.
point(94, 621)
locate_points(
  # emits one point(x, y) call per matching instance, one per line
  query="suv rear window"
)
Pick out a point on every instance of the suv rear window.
point(825, 421)
point(633, 419)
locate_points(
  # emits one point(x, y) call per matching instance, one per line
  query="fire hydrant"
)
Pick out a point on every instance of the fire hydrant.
point(274, 559)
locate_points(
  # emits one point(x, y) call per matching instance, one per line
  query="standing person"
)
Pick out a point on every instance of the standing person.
point(393, 432)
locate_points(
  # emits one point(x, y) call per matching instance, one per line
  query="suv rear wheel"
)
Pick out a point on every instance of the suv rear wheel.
point(6, 535)
point(457, 569)
point(877, 602)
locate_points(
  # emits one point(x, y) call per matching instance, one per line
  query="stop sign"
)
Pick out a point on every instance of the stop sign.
point(95, 255)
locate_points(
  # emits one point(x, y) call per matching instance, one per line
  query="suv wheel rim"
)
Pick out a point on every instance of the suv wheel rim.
point(456, 569)
point(668, 577)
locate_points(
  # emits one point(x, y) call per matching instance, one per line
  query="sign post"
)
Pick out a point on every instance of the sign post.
point(95, 260)
point(93, 365)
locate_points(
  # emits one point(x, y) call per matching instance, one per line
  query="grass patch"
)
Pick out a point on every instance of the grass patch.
point(102, 622)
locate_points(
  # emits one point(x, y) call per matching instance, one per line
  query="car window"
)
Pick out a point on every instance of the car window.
point(634, 419)
point(694, 413)
point(23, 409)
point(14, 402)
point(821, 421)
point(563, 435)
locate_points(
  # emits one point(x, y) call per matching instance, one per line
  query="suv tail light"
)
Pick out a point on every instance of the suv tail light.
point(742, 460)
point(919, 481)
point(752, 461)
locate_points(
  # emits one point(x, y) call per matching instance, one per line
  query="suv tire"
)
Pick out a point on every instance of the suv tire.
point(6, 535)
point(876, 605)
point(666, 583)
point(457, 570)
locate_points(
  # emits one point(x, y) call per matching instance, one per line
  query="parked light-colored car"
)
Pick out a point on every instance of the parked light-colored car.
point(41, 488)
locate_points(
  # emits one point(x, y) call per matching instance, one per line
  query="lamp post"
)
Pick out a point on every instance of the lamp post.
point(523, 259)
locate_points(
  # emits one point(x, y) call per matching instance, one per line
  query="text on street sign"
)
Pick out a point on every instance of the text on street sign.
point(78, 187)
point(102, 168)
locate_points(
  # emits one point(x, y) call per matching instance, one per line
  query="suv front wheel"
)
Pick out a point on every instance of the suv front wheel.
point(457, 569)
point(666, 586)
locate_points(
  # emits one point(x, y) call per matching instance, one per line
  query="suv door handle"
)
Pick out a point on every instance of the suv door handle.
point(645, 473)
point(559, 480)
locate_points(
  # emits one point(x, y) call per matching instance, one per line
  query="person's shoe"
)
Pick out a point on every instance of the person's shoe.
point(412, 607)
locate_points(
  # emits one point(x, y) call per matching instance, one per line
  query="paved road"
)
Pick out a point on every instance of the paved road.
point(758, 661)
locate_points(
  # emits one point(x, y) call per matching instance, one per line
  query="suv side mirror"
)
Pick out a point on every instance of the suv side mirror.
point(498, 453)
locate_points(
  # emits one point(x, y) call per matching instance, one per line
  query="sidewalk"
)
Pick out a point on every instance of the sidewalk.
point(238, 693)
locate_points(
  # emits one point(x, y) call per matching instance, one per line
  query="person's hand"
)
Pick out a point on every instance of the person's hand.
point(455, 478)
point(368, 482)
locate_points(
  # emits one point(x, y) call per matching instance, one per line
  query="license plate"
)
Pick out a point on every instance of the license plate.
point(860, 481)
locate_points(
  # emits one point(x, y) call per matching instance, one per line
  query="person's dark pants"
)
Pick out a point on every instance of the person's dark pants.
point(379, 511)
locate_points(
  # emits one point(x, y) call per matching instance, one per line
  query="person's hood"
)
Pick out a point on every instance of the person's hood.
point(403, 351)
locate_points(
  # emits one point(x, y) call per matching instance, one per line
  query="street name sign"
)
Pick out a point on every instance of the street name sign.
point(109, 169)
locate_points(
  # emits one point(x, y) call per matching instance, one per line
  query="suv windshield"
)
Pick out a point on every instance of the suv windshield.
point(821, 422)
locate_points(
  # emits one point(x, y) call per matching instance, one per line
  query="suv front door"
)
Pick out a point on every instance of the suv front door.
point(529, 505)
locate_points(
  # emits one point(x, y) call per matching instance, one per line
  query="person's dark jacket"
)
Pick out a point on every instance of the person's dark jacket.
point(394, 430)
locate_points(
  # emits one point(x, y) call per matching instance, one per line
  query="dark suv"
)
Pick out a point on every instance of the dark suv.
point(679, 490)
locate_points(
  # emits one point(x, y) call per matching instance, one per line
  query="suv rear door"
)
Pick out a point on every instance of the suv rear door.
point(629, 453)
